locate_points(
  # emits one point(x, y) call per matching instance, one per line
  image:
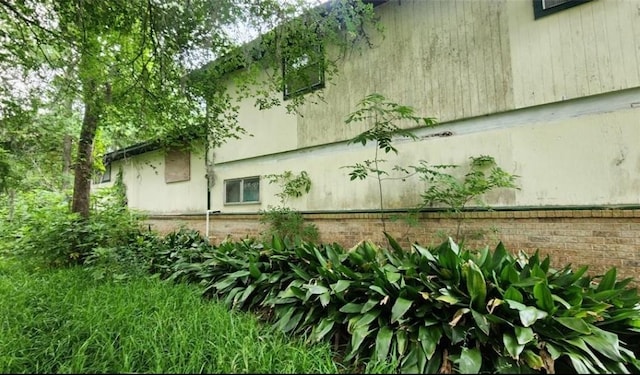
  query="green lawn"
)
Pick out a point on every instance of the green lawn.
point(62, 321)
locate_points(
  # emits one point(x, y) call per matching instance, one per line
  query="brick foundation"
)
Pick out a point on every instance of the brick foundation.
point(597, 238)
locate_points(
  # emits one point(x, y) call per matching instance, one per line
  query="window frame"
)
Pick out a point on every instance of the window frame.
point(539, 10)
point(242, 182)
point(317, 64)
point(103, 177)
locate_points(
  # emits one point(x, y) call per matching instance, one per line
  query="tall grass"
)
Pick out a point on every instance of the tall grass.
point(63, 321)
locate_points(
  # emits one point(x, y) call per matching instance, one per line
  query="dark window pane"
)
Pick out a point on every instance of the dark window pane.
point(232, 191)
point(546, 4)
point(251, 190)
point(106, 176)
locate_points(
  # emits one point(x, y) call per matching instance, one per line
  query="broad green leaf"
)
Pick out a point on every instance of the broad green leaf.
point(383, 342)
point(509, 274)
point(448, 299)
point(325, 298)
point(511, 344)
point(576, 324)
point(424, 252)
point(530, 315)
point(513, 294)
point(409, 364)
point(340, 286)
point(515, 304)
point(543, 297)
point(293, 322)
point(363, 320)
point(608, 281)
point(523, 334)
point(400, 308)
point(377, 289)
point(254, 270)
point(454, 246)
point(247, 292)
point(604, 342)
point(532, 360)
point(470, 361)
point(320, 330)
point(240, 273)
point(481, 322)
point(580, 343)
point(401, 341)
point(276, 243)
point(317, 289)
point(429, 338)
point(476, 285)
point(357, 337)
point(371, 303)
point(448, 259)
point(300, 272)
point(581, 364)
point(392, 242)
point(351, 308)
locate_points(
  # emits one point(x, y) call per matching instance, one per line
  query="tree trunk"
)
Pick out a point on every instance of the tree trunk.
point(66, 160)
point(84, 162)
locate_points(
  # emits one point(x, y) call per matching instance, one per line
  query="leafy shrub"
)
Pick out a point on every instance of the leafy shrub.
point(288, 224)
point(283, 221)
point(442, 309)
point(44, 230)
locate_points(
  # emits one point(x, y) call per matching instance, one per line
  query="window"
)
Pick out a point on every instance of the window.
point(104, 176)
point(543, 8)
point(177, 166)
point(304, 73)
point(243, 190)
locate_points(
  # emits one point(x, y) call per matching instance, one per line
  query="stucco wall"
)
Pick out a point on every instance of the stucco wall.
point(144, 178)
point(580, 152)
point(555, 100)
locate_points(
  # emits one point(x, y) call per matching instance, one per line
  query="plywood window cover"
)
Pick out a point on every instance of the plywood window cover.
point(177, 166)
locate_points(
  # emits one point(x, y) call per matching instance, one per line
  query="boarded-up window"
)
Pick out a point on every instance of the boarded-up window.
point(177, 166)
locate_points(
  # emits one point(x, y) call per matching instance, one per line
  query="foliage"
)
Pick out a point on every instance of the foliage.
point(442, 309)
point(455, 193)
point(126, 65)
point(283, 221)
point(45, 231)
point(287, 223)
point(293, 186)
point(64, 321)
point(388, 121)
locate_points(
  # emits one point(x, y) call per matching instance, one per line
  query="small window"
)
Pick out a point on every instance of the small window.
point(543, 8)
point(304, 73)
point(244, 190)
point(104, 176)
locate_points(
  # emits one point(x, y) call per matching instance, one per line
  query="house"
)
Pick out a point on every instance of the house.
point(549, 88)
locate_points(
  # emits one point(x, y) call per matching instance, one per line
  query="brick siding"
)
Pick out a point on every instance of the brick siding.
point(597, 238)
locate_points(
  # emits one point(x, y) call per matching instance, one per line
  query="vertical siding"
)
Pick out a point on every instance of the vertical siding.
point(586, 50)
point(449, 59)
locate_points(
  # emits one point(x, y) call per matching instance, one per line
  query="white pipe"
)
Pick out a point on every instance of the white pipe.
point(207, 228)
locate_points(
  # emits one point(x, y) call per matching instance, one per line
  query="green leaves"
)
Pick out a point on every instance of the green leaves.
point(400, 308)
point(486, 311)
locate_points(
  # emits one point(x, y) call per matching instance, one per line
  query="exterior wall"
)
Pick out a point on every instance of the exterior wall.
point(555, 100)
point(578, 152)
point(597, 238)
point(147, 191)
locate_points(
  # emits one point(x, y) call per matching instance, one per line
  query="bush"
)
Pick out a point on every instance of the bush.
point(45, 231)
point(442, 309)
